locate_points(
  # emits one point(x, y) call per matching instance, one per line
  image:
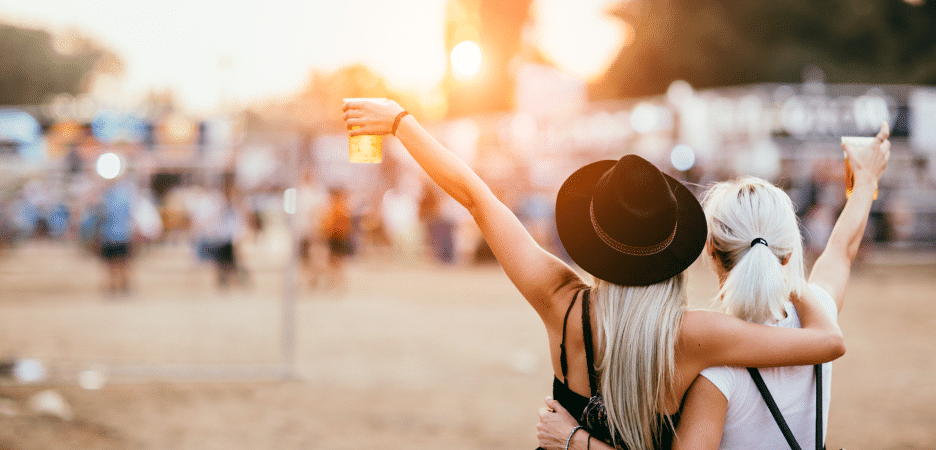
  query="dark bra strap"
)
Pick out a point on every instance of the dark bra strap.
point(562, 351)
point(586, 332)
point(589, 352)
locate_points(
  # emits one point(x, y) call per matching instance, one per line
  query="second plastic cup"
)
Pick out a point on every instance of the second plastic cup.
point(859, 145)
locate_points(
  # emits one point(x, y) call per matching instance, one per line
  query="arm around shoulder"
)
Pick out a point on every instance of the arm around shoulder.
point(716, 339)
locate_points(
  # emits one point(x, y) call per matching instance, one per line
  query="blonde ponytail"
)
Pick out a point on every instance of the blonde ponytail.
point(761, 275)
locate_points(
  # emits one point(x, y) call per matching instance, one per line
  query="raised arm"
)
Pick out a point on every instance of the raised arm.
point(833, 267)
point(702, 417)
point(535, 272)
point(716, 339)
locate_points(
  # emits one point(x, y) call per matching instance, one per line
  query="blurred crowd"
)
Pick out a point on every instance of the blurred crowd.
point(119, 185)
point(215, 216)
point(408, 222)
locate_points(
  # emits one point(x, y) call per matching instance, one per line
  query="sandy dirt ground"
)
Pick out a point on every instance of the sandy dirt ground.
point(413, 356)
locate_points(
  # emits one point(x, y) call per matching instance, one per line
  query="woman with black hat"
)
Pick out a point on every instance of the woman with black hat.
point(635, 230)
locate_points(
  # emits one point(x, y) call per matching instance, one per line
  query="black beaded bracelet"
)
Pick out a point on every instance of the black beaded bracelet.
point(396, 121)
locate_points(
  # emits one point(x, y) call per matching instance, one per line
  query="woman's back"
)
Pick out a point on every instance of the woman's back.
point(748, 421)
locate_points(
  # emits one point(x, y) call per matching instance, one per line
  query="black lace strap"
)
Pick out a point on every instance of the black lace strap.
point(778, 417)
point(562, 351)
point(589, 352)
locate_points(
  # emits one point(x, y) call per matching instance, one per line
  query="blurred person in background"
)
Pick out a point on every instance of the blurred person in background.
point(174, 216)
point(438, 227)
point(30, 202)
point(117, 232)
point(7, 230)
point(635, 230)
point(311, 200)
point(88, 215)
point(756, 249)
point(147, 218)
point(400, 214)
point(372, 233)
point(820, 205)
point(337, 231)
point(217, 224)
point(202, 213)
point(229, 231)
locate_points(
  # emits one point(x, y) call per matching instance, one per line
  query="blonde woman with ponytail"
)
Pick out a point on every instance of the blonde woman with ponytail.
point(624, 350)
point(756, 249)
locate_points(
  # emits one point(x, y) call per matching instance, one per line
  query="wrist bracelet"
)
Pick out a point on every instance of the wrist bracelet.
point(569, 440)
point(396, 121)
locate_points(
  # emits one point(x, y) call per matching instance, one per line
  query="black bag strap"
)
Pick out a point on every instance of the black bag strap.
point(820, 441)
point(778, 417)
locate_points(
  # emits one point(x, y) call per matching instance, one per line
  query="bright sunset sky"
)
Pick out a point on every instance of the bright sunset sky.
point(206, 49)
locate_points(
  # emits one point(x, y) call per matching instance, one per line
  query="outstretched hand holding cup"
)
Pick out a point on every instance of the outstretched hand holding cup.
point(866, 158)
point(367, 119)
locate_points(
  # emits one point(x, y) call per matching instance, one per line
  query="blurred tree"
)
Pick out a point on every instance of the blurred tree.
point(730, 42)
point(35, 65)
point(319, 103)
point(318, 106)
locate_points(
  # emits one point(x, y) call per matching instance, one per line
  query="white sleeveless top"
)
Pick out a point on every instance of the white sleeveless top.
point(748, 422)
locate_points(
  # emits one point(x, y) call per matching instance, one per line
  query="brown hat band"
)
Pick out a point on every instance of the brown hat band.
point(624, 248)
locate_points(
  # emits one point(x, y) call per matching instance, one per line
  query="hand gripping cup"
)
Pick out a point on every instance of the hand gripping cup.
point(365, 148)
point(860, 146)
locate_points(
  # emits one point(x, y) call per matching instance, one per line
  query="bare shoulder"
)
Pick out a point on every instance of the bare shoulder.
point(567, 290)
point(561, 299)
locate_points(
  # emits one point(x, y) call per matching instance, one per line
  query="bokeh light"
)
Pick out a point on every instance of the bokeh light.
point(682, 157)
point(29, 371)
point(678, 92)
point(466, 60)
point(289, 201)
point(92, 379)
point(644, 118)
point(109, 166)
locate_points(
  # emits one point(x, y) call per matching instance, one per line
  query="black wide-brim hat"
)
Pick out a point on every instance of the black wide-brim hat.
point(628, 223)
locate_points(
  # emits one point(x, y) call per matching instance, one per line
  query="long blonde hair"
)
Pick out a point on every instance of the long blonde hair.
point(760, 278)
point(637, 336)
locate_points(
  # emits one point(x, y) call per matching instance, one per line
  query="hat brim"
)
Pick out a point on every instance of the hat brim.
point(586, 248)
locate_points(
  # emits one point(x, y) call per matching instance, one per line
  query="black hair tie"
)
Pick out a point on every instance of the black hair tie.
point(759, 241)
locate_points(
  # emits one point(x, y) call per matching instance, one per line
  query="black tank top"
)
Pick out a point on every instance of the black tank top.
point(590, 411)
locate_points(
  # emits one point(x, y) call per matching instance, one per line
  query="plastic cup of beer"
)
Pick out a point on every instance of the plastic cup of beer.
point(365, 148)
point(860, 146)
